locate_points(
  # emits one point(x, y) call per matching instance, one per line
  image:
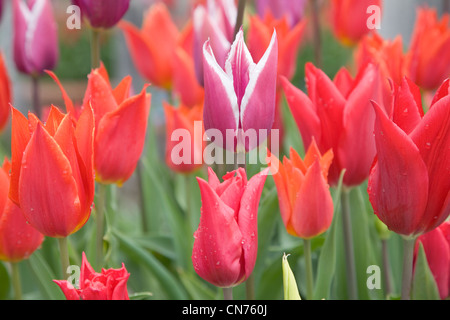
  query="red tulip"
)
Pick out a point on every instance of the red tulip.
point(350, 19)
point(339, 116)
point(226, 241)
point(110, 284)
point(52, 177)
point(35, 36)
point(184, 156)
point(428, 59)
point(306, 205)
point(18, 239)
point(101, 13)
point(5, 94)
point(410, 181)
point(120, 124)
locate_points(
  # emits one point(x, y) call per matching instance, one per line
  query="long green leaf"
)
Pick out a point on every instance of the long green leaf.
point(4, 282)
point(424, 286)
point(44, 276)
point(168, 281)
point(327, 259)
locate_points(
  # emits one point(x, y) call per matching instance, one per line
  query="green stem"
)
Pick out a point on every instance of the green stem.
point(36, 101)
point(408, 255)
point(64, 255)
point(227, 293)
point(95, 48)
point(100, 217)
point(240, 16)
point(309, 269)
point(16, 281)
point(348, 242)
point(386, 267)
point(317, 34)
point(143, 209)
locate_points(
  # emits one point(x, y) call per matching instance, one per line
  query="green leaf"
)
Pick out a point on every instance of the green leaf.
point(289, 282)
point(5, 282)
point(141, 296)
point(45, 276)
point(168, 281)
point(327, 259)
point(424, 286)
point(197, 288)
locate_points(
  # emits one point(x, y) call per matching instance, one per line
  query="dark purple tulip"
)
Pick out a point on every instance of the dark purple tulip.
point(103, 13)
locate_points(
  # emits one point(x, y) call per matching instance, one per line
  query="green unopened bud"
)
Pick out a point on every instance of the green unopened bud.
point(289, 283)
point(382, 229)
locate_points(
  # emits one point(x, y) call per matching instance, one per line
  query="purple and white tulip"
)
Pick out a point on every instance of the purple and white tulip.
point(35, 36)
point(241, 96)
point(215, 22)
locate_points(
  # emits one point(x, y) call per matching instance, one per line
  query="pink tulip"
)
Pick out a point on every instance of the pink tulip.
point(226, 241)
point(214, 21)
point(242, 96)
point(35, 36)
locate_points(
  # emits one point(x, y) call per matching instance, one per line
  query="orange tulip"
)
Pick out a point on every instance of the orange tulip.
point(18, 239)
point(52, 176)
point(183, 119)
point(428, 59)
point(163, 55)
point(5, 94)
point(305, 201)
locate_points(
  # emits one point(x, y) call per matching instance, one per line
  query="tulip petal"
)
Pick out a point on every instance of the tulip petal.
point(432, 137)
point(217, 248)
point(45, 167)
point(248, 220)
point(258, 103)
point(313, 209)
point(115, 158)
point(397, 178)
point(408, 110)
point(221, 110)
point(68, 289)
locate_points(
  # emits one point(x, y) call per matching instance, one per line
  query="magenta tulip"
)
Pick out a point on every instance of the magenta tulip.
point(226, 241)
point(292, 10)
point(35, 36)
point(242, 96)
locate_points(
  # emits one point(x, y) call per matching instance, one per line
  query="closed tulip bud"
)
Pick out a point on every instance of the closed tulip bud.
point(409, 181)
point(305, 201)
point(18, 239)
point(52, 177)
point(226, 241)
point(110, 284)
point(350, 19)
point(428, 58)
point(289, 282)
point(338, 115)
point(5, 95)
point(35, 36)
point(243, 96)
point(103, 13)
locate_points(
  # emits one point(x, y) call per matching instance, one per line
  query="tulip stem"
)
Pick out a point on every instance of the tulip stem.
point(408, 255)
point(348, 242)
point(16, 281)
point(35, 95)
point(227, 293)
point(64, 254)
point(240, 16)
point(386, 267)
point(95, 48)
point(317, 33)
point(100, 215)
point(309, 269)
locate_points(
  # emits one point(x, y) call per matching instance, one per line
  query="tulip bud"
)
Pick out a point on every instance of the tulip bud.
point(226, 241)
point(306, 205)
point(52, 177)
point(242, 97)
point(35, 36)
point(103, 13)
point(289, 282)
point(110, 284)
